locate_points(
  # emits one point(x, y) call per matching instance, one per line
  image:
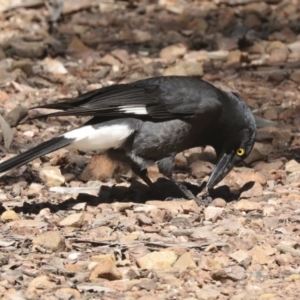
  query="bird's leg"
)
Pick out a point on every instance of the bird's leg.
point(165, 166)
point(188, 194)
point(142, 173)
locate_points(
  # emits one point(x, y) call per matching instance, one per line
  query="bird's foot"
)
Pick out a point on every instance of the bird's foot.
point(199, 201)
point(205, 202)
point(175, 199)
point(203, 193)
point(203, 198)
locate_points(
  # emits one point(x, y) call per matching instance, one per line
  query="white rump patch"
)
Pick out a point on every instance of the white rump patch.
point(134, 109)
point(99, 139)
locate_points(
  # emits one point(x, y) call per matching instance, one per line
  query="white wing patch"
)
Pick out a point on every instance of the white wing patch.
point(99, 139)
point(134, 109)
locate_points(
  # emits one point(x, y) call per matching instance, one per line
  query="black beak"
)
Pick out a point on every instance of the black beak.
point(223, 167)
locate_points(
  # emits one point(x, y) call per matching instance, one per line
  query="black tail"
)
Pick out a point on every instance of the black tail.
point(31, 154)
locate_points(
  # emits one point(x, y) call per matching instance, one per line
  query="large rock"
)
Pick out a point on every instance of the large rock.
point(73, 220)
point(106, 269)
point(51, 176)
point(185, 68)
point(157, 260)
point(50, 240)
point(9, 215)
point(173, 51)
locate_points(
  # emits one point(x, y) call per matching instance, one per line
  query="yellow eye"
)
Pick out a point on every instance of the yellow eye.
point(240, 151)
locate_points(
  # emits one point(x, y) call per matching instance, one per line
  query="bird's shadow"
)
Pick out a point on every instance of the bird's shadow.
point(137, 192)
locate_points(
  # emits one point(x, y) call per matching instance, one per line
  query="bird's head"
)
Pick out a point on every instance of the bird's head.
point(236, 139)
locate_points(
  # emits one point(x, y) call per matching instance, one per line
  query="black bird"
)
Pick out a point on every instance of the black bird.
point(149, 121)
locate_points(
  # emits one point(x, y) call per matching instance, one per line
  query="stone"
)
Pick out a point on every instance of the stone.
point(141, 36)
point(27, 49)
point(185, 68)
point(278, 52)
point(173, 51)
point(34, 189)
point(263, 149)
point(285, 259)
point(105, 269)
point(234, 273)
point(72, 7)
point(200, 56)
point(198, 26)
point(175, 9)
point(73, 220)
point(100, 258)
point(54, 66)
point(50, 240)
point(252, 21)
point(246, 205)
point(234, 59)
point(227, 43)
point(51, 176)
point(175, 207)
point(262, 9)
point(102, 168)
point(77, 45)
point(292, 166)
point(295, 76)
point(67, 293)
point(263, 254)
point(12, 294)
point(267, 167)
point(293, 177)
point(25, 65)
point(39, 286)
point(278, 55)
point(180, 160)
point(236, 180)
point(143, 219)
point(28, 224)
point(157, 260)
point(254, 156)
point(276, 45)
point(148, 297)
point(137, 252)
point(294, 47)
point(255, 191)
point(218, 55)
point(204, 233)
point(121, 206)
point(9, 215)
point(200, 169)
point(271, 114)
point(242, 257)
point(218, 202)
point(212, 213)
point(207, 294)
point(185, 261)
point(122, 55)
point(108, 59)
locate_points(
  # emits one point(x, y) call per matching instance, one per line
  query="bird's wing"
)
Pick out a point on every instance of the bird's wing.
point(154, 98)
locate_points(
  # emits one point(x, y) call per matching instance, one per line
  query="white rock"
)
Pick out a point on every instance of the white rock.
point(53, 66)
point(212, 213)
point(51, 176)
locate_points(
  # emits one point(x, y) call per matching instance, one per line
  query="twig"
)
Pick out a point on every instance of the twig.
point(154, 245)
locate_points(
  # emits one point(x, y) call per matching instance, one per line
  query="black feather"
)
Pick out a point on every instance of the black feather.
point(35, 152)
point(164, 98)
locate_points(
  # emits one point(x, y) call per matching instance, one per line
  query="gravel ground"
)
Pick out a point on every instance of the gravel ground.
point(78, 226)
